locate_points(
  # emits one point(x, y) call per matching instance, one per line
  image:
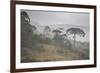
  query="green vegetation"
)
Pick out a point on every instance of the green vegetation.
point(40, 47)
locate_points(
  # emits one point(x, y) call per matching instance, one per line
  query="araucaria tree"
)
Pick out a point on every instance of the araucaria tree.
point(75, 32)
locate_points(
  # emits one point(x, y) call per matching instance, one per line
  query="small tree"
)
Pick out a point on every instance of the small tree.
point(74, 32)
point(47, 31)
point(56, 32)
point(57, 35)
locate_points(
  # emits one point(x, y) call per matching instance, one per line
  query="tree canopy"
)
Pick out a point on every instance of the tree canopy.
point(75, 31)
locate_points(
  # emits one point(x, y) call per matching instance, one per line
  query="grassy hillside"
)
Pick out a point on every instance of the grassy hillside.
point(47, 52)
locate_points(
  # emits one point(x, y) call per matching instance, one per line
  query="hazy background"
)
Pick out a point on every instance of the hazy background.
point(60, 20)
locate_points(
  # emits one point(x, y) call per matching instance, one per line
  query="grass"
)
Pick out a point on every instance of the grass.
point(47, 52)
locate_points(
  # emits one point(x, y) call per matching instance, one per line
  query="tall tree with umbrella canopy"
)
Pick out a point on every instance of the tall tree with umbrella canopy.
point(75, 32)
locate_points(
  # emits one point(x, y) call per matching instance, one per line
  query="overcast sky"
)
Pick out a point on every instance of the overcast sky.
point(43, 18)
point(49, 18)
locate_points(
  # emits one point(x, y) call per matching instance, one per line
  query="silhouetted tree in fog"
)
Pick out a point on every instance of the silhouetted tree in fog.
point(74, 32)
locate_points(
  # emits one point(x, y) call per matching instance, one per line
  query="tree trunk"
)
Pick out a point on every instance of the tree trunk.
point(74, 40)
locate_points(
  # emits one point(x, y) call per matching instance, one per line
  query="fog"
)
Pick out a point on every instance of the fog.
point(60, 19)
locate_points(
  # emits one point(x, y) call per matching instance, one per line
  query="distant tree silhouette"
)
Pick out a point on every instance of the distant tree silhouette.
point(47, 31)
point(57, 36)
point(56, 32)
point(74, 32)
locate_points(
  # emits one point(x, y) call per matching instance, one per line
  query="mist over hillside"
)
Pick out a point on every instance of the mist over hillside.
point(64, 27)
point(60, 19)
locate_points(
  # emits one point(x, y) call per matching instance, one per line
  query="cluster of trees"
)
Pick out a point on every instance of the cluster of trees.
point(29, 38)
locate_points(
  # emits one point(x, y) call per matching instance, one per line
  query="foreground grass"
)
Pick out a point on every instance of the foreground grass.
point(47, 52)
